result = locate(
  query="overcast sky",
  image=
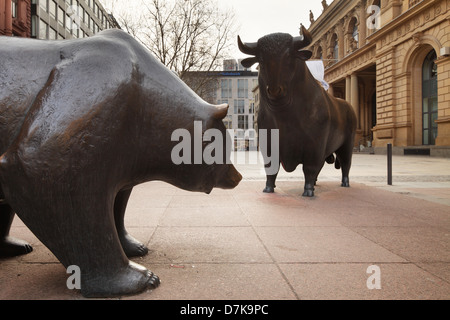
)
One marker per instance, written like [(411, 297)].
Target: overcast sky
[(256, 18)]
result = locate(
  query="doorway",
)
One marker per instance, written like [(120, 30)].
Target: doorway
[(429, 99)]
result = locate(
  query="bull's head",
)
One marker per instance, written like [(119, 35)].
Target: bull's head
[(278, 55)]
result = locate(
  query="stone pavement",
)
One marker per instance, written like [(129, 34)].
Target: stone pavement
[(242, 244)]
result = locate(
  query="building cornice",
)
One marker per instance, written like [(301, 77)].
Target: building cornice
[(401, 19)]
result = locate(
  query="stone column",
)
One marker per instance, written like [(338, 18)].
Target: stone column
[(443, 121), (348, 87), (355, 97)]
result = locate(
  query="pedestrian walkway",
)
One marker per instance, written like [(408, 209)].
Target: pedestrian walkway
[(370, 241)]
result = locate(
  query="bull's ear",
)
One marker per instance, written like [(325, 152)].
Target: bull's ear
[(247, 63), (220, 111), (304, 55)]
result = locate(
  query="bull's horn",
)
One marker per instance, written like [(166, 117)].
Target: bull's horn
[(302, 42), (220, 111), (248, 48)]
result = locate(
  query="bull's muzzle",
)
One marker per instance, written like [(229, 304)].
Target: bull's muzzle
[(275, 92)]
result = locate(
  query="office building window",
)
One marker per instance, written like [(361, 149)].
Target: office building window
[(243, 88), (251, 108), (243, 122), (44, 5), (239, 106), (68, 24), (34, 26), (43, 27), (61, 17), (51, 34), (226, 88), (53, 9)]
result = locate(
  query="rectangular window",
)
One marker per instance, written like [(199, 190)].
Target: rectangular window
[(43, 28), (51, 34), (44, 5), (53, 9), (81, 14), (33, 26), (68, 24), (61, 16), (14, 8), (251, 108), (228, 122), (226, 88), (243, 88), (243, 122), (239, 106)]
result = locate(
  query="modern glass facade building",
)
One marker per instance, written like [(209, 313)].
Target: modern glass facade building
[(68, 19)]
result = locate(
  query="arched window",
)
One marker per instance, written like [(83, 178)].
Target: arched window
[(335, 44), (320, 53), (430, 99), (355, 35)]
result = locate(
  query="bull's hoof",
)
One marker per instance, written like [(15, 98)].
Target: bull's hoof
[(132, 247), (308, 193), (268, 189), (11, 247), (132, 280), (345, 183)]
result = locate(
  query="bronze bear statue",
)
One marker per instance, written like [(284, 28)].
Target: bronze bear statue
[(81, 123)]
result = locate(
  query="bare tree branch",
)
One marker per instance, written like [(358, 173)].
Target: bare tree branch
[(185, 35)]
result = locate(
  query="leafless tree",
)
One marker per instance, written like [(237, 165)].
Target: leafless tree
[(185, 35)]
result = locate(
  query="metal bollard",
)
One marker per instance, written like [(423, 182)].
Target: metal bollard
[(389, 163)]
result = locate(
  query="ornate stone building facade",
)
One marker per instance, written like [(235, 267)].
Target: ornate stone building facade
[(391, 60), (15, 18)]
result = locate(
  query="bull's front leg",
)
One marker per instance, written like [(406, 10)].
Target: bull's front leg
[(271, 177), (311, 172)]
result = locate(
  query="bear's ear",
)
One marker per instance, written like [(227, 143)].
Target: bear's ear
[(303, 55), (220, 111)]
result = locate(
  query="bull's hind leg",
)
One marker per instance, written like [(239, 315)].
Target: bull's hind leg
[(344, 155), (9, 246), (131, 246)]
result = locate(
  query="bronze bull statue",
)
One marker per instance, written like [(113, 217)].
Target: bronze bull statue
[(312, 124), (81, 123)]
